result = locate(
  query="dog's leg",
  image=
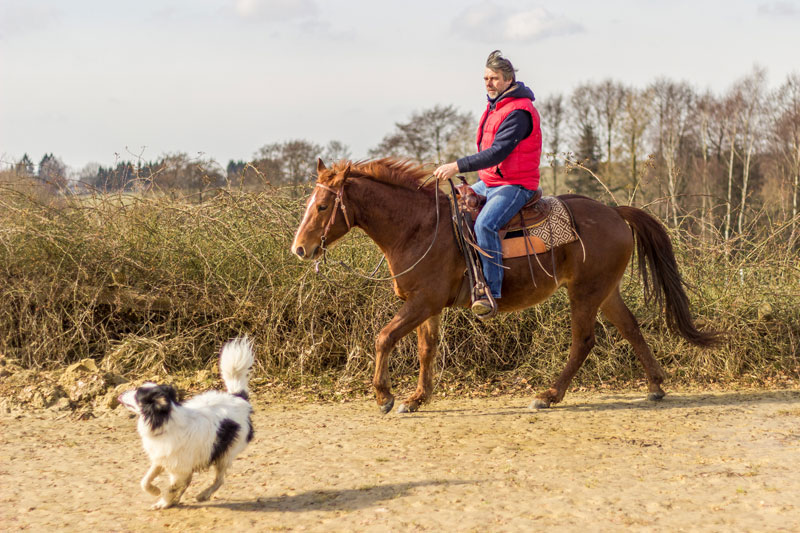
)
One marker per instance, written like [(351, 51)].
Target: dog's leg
[(177, 484), (218, 480), (147, 480)]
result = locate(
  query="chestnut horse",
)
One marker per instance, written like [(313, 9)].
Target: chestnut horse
[(389, 200)]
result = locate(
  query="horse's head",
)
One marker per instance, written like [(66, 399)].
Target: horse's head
[(326, 218)]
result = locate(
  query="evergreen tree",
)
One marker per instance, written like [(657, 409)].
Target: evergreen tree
[(52, 171), (234, 169), (588, 155), (24, 167)]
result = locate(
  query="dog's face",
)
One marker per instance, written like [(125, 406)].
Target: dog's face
[(152, 402)]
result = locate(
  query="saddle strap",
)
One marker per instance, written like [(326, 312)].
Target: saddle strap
[(527, 249), (465, 238)]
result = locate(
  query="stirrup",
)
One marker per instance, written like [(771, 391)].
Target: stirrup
[(484, 307)]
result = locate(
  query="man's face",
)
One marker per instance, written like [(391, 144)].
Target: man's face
[(495, 83)]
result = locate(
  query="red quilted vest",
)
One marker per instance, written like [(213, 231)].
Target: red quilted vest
[(521, 167)]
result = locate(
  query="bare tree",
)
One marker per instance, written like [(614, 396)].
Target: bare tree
[(428, 135), (581, 101), (87, 174), (290, 162), (634, 119), (608, 102), (336, 151), (732, 105), (268, 164), (786, 139), (673, 104), (180, 171), (708, 109), (553, 118), (754, 86), (299, 160), (442, 125)]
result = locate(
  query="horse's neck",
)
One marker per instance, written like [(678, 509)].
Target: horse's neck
[(394, 215)]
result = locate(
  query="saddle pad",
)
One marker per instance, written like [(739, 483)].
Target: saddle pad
[(542, 235)]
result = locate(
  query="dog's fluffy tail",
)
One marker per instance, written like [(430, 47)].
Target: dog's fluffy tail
[(235, 361)]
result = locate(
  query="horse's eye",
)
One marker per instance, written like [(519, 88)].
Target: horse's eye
[(322, 207)]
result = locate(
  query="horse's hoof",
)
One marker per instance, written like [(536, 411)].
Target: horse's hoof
[(539, 404), (385, 408), (407, 408), (655, 396)]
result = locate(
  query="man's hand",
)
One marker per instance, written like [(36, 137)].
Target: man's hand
[(445, 171)]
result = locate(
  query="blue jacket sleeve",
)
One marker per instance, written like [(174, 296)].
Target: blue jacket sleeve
[(515, 127)]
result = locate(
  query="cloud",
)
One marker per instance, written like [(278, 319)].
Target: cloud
[(488, 21), (19, 18), (778, 9), (276, 10)]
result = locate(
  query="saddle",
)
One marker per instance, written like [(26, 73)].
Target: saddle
[(530, 213), (513, 234), (539, 226)]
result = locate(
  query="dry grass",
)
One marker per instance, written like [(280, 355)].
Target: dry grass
[(155, 284)]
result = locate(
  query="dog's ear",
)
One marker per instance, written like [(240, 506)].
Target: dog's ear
[(156, 404), (161, 402), (172, 394), (155, 396)]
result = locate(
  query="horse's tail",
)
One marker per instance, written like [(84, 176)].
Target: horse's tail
[(664, 284)]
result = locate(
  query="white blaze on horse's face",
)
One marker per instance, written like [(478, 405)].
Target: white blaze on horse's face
[(307, 214), (308, 239), (319, 227)]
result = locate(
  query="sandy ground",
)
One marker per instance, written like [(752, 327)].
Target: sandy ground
[(598, 462)]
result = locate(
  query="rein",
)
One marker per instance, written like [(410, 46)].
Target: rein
[(339, 202)]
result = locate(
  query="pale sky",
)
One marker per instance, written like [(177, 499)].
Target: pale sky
[(88, 79)]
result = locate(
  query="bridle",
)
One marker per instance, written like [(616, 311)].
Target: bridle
[(339, 203)]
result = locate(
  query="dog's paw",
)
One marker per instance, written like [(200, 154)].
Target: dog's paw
[(203, 496), (160, 504)]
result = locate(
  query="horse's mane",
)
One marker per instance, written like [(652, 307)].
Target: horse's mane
[(393, 171)]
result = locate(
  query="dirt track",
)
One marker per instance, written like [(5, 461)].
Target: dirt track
[(611, 462)]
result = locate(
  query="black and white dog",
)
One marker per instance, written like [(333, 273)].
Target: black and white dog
[(209, 429)]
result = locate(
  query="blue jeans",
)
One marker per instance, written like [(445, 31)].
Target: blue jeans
[(502, 203)]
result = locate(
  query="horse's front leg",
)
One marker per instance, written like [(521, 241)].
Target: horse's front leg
[(427, 341), (583, 307), (409, 317)]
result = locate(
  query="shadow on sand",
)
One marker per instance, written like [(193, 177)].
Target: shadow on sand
[(343, 500), (618, 401)]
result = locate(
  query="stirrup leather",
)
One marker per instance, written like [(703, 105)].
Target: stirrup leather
[(479, 292)]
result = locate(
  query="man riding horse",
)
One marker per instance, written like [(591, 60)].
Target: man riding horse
[(509, 142), (392, 202)]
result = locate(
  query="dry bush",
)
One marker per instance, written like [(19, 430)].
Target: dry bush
[(151, 284)]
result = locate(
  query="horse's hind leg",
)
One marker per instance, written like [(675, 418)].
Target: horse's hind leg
[(427, 341), (617, 312)]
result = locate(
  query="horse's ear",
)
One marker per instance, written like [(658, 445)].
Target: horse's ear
[(320, 165), (346, 171)]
